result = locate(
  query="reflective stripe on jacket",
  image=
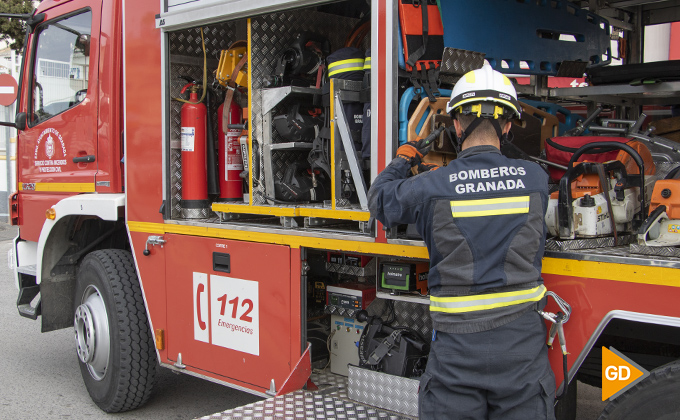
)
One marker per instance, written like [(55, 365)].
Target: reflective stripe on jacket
[(471, 303)]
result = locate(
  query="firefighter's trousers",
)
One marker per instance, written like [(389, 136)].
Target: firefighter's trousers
[(502, 373)]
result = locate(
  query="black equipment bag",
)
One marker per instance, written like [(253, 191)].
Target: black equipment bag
[(397, 351), (300, 184)]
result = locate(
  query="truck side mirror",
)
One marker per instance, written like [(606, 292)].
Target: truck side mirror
[(83, 44), (20, 121)]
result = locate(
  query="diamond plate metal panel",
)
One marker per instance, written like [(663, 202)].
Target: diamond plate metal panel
[(185, 46), (176, 181), (587, 243), (195, 213), (661, 251), (368, 270), (343, 203), (406, 314), (571, 69), (457, 62), (304, 405), (619, 254), (384, 391), (330, 383), (271, 34)]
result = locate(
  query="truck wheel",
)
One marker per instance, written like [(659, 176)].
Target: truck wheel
[(113, 339), (653, 398)]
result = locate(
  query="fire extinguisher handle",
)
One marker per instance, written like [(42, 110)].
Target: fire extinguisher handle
[(190, 82), (187, 86)]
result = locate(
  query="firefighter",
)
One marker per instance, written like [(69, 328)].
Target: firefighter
[(482, 219)]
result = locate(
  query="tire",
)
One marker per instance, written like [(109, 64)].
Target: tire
[(653, 398), (113, 339), (566, 406)]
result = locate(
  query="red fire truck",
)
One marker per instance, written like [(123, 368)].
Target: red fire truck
[(130, 235)]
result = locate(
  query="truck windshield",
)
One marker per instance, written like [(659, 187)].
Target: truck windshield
[(60, 69)]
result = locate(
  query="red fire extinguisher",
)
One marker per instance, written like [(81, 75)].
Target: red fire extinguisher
[(194, 167), (230, 162)]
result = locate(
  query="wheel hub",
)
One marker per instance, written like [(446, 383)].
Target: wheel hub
[(84, 333), (91, 327)]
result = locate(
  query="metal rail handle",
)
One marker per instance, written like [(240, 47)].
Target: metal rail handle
[(605, 146)]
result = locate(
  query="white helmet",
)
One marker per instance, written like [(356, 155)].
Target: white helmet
[(483, 86)]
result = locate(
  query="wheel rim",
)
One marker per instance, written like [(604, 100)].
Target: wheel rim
[(91, 326)]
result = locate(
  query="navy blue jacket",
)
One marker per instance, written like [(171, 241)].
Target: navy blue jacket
[(482, 219)]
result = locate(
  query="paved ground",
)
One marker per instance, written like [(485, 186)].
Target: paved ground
[(7, 232), (40, 378)]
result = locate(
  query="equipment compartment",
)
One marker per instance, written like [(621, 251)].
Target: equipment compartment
[(272, 159)]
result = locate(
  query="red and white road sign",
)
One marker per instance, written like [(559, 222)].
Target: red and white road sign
[(8, 89)]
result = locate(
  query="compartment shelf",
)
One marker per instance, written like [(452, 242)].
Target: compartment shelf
[(665, 93), (423, 300), (273, 96)]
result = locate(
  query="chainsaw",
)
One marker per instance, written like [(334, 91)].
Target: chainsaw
[(602, 199), (662, 227)]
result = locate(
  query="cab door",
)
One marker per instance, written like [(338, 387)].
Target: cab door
[(58, 148)]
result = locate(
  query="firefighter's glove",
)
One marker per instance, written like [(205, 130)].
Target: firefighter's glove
[(413, 151), (410, 153), (423, 167)]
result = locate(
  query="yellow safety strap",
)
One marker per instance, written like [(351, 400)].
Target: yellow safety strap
[(461, 304)]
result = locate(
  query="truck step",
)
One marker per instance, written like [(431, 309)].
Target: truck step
[(330, 401), (311, 405), (27, 304), (29, 270), (28, 311)]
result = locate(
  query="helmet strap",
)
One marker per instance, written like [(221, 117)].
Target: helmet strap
[(499, 130), (453, 138), (507, 138)]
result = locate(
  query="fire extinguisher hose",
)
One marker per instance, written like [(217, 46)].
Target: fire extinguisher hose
[(205, 74)]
